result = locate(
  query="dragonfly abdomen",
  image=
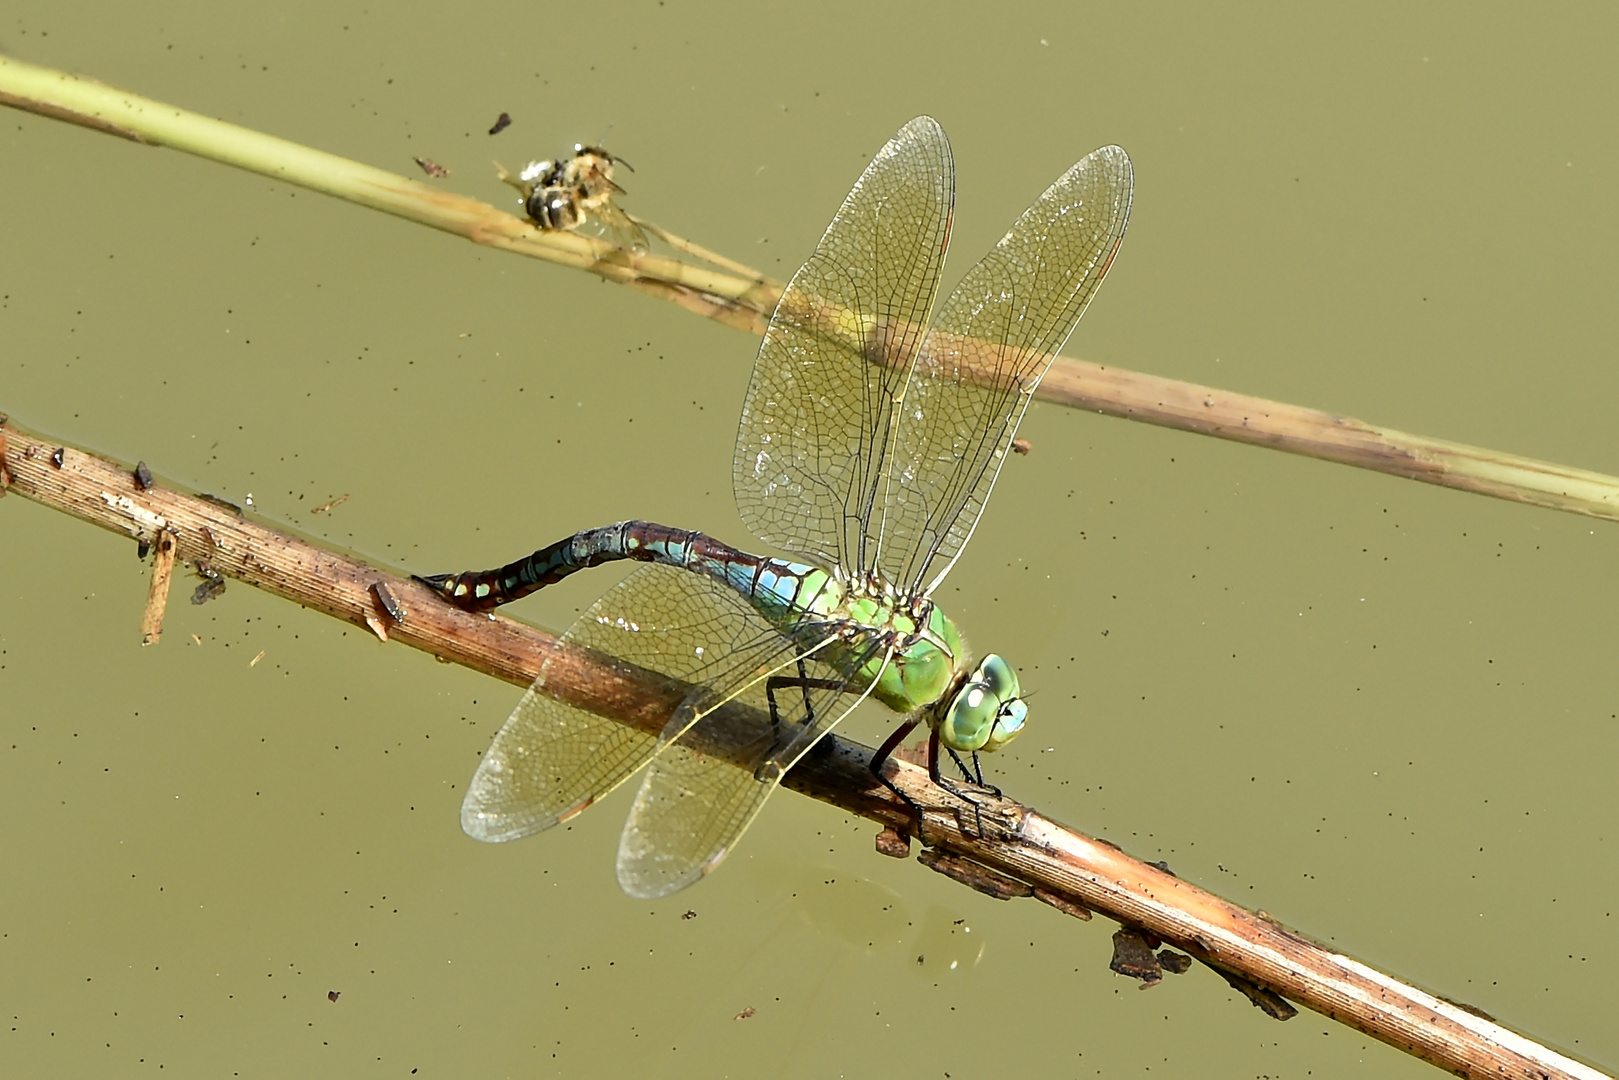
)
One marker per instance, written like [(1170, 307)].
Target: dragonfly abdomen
[(775, 587)]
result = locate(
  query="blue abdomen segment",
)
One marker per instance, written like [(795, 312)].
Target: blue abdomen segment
[(779, 590)]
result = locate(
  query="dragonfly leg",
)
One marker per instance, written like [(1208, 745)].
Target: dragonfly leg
[(805, 684), (950, 785), (980, 778), (884, 752), (972, 774), (975, 775)]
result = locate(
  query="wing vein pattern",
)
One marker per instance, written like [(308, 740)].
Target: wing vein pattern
[(817, 425), (990, 344)]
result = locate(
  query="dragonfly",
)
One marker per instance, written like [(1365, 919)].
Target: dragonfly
[(869, 443)]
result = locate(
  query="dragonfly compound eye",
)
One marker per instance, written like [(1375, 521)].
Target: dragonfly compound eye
[(1008, 724), (970, 720), (989, 712), (997, 674)]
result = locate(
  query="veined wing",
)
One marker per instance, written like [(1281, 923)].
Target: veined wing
[(603, 219), (552, 758), (817, 422), (696, 802), (989, 346)]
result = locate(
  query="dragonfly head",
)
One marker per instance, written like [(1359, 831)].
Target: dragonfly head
[(987, 712)]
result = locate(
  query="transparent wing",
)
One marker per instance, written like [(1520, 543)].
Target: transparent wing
[(604, 220), (552, 759), (989, 346), (694, 805), (816, 424)]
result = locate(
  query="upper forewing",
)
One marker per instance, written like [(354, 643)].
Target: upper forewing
[(817, 424), (990, 344)]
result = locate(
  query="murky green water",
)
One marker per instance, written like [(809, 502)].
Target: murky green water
[(1383, 712)]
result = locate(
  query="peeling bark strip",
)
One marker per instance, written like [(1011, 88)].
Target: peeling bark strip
[(1065, 904), (1067, 869), (970, 874)]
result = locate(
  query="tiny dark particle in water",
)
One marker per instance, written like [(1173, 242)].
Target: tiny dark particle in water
[(431, 167), (1021, 446), (332, 995), (501, 124), (143, 476), (689, 915), (57, 455)]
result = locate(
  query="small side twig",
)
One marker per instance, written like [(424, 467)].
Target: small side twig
[(157, 595)]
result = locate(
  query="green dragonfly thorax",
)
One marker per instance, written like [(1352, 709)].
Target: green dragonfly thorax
[(979, 709), (924, 653)]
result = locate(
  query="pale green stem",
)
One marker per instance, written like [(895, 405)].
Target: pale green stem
[(745, 302)]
